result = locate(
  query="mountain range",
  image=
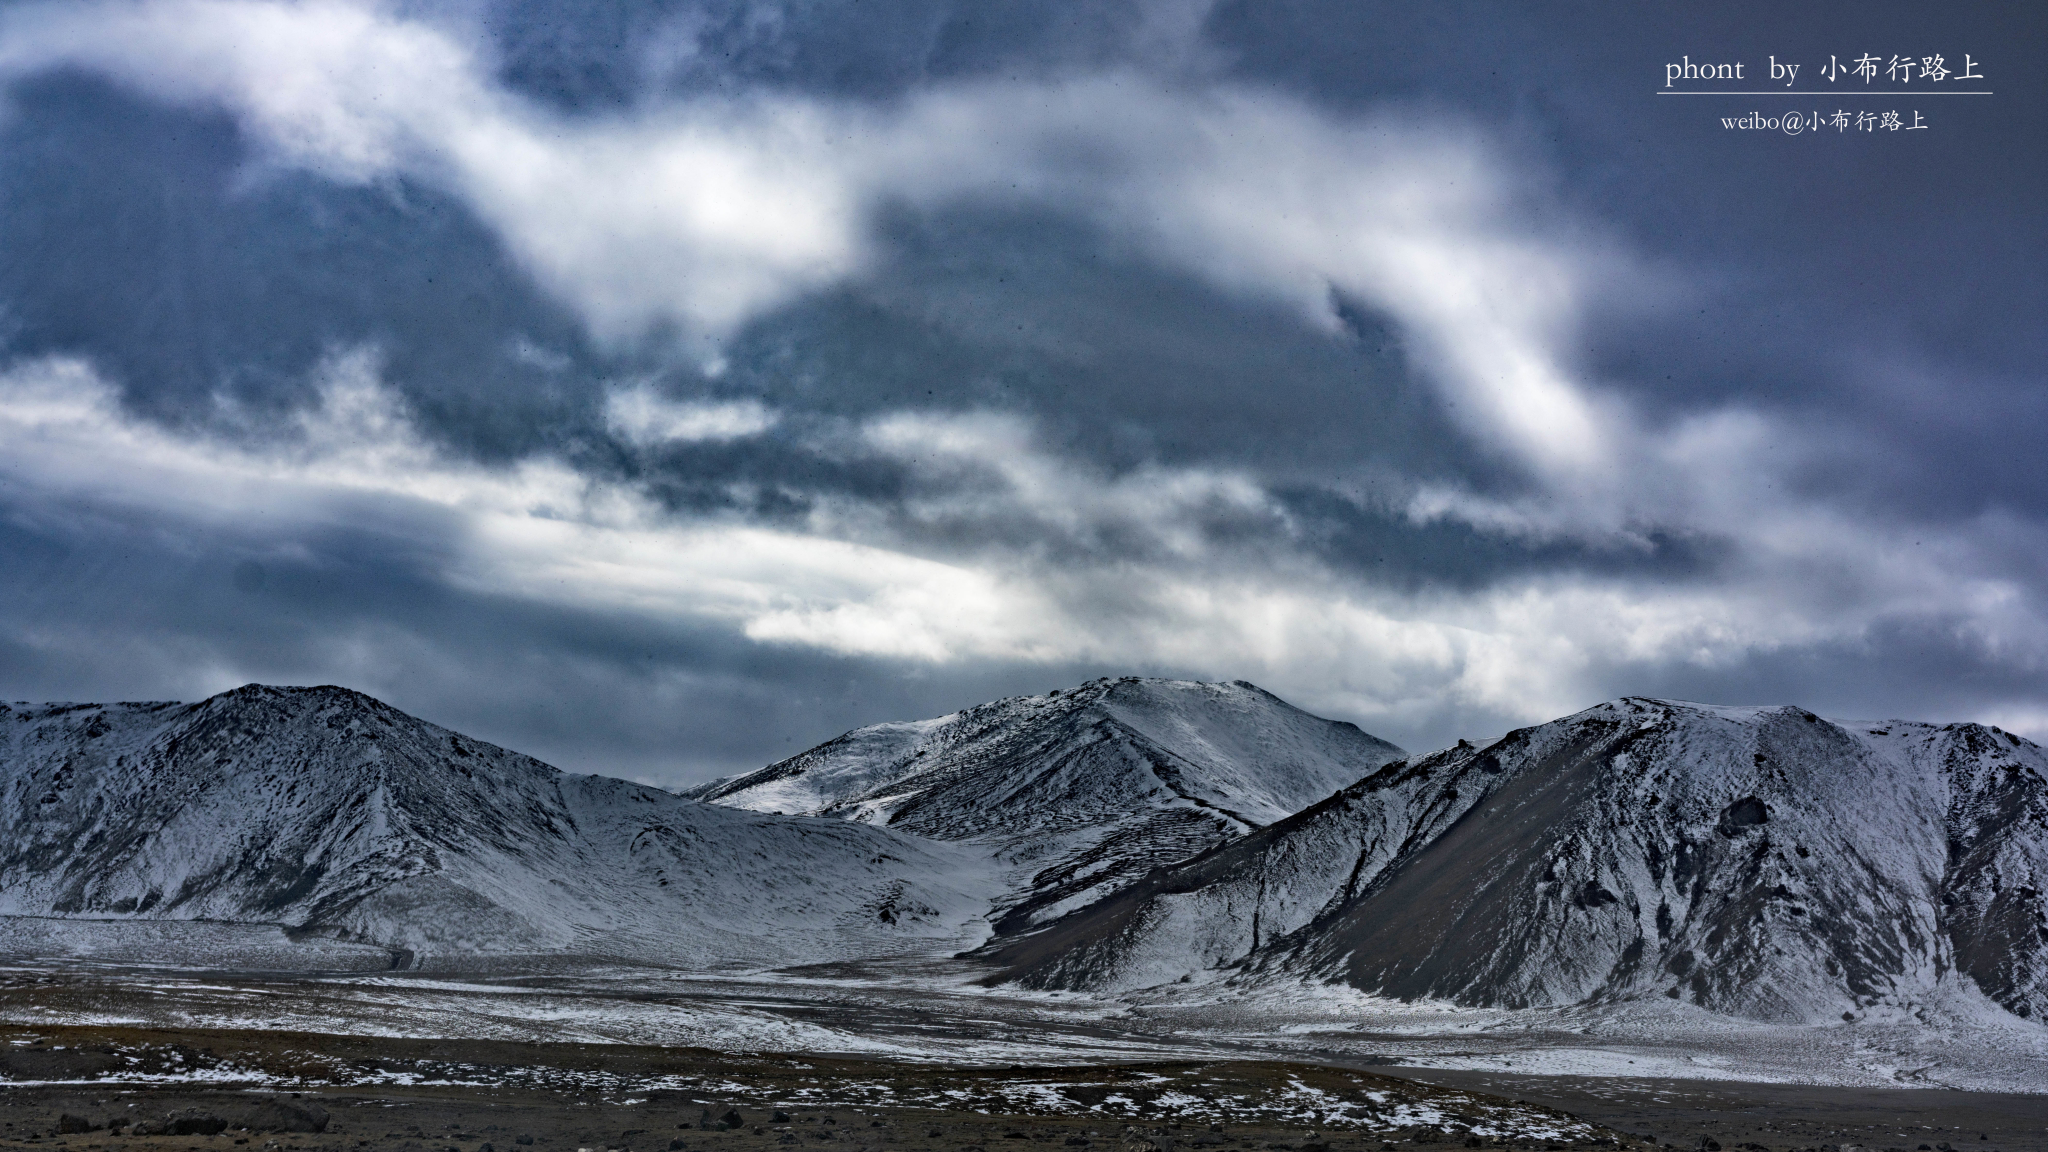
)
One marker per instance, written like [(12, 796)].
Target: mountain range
[(1129, 833)]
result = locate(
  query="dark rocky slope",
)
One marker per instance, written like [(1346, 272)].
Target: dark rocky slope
[(1759, 862)]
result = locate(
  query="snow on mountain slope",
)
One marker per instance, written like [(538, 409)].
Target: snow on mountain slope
[(1083, 790), (1214, 911), (1758, 862), (1993, 902), (336, 815)]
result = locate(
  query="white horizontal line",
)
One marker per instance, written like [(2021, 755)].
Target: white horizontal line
[(1783, 92)]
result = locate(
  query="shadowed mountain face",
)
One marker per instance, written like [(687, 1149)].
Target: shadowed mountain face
[(339, 817), (1084, 790), (1761, 862)]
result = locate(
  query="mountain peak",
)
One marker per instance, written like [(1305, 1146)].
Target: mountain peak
[(1086, 788), (338, 817), (1764, 862)]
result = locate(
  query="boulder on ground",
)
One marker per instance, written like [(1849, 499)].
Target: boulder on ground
[(193, 1122), (282, 1114)]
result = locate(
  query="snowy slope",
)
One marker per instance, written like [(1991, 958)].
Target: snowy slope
[(1759, 862), (335, 815), (1079, 791)]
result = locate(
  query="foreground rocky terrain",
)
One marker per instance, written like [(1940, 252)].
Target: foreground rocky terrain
[(635, 1097), (298, 1093)]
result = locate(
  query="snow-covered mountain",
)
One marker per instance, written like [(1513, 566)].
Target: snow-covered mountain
[(1759, 862), (1077, 792), (338, 816), (1128, 833)]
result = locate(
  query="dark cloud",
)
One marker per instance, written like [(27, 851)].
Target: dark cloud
[(589, 57), (1123, 362), (153, 241), (1881, 287), (1928, 671), (1396, 550)]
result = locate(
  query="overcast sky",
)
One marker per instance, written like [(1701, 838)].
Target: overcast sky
[(662, 388)]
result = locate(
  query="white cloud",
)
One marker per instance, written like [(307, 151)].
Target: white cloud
[(537, 531), (647, 419), (988, 468), (704, 215)]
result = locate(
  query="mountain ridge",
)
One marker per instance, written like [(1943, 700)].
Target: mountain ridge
[(1758, 862), (336, 814), (1084, 789)]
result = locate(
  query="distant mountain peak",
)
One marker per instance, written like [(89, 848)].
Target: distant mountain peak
[(1087, 787)]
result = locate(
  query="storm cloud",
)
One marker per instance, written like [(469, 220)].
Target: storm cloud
[(659, 389)]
